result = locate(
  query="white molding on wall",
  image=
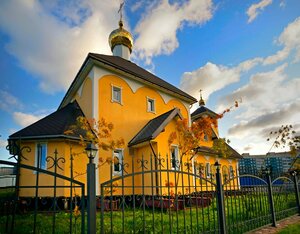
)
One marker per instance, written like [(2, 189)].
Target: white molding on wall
[(206, 158)]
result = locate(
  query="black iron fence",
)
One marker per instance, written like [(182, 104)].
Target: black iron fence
[(150, 194), (32, 206)]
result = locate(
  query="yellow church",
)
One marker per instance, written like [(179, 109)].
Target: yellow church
[(143, 109)]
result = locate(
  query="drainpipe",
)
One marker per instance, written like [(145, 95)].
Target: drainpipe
[(156, 168)]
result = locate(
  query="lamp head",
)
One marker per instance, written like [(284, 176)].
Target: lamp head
[(91, 150)]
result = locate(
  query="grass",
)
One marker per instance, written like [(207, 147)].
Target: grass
[(243, 213), (291, 229), (6, 192)]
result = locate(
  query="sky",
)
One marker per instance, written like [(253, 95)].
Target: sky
[(232, 50)]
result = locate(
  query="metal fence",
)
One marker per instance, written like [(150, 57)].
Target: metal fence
[(150, 194), (30, 211)]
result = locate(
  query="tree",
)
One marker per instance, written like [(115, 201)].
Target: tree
[(97, 132), (190, 138), (286, 137)]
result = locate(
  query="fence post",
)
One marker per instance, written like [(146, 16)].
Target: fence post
[(91, 190), (294, 174), (270, 195), (220, 200)]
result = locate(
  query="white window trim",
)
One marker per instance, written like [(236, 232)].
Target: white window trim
[(231, 175), (117, 173), (208, 171), (36, 155), (154, 105), (112, 94), (177, 159)]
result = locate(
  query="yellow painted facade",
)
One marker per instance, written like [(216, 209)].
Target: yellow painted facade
[(128, 116), (64, 148)]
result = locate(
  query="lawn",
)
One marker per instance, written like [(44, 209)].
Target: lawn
[(291, 229), (243, 213)]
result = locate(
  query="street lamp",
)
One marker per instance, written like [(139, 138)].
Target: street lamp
[(91, 151), (217, 165)]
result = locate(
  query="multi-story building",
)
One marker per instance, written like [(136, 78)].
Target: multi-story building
[(279, 162)]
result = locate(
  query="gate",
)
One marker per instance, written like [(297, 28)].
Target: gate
[(158, 195), (44, 202), (253, 201)]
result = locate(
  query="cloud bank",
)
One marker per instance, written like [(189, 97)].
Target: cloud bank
[(156, 31), (51, 39), (214, 77)]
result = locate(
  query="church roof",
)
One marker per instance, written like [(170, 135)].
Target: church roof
[(211, 152), (133, 69), (154, 127), (53, 125), (201, 110), (122, 65)]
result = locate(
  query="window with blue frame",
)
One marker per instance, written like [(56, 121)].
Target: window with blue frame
[(41, 155)]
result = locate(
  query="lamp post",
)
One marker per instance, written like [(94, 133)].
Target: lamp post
[(91, 151)]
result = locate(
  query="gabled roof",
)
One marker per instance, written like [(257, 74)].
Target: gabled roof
[(122, 65), (211, 152), (234, 153), (154, 127), (53, 125), (203, 110)]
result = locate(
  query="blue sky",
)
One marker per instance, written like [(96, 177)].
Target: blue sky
[(230, 49)]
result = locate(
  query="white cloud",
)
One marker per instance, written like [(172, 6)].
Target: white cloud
[(260, 95), (283, 116), (136, 6), (9, 102), (24, 119), (157, 29), (210, 78), (256, 9), (52, 43), (3, 143), (282, 4), (213, 77), (270, 99), (290, 39)]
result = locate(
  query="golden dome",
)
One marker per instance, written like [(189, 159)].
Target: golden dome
[(201, 101), (120, 37)]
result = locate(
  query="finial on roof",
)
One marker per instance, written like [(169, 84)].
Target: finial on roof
[(201, 101), (121, 12), (120, 40)]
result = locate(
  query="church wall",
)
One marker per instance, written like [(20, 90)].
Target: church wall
[(64, 149), (130, 116), (84, 98)]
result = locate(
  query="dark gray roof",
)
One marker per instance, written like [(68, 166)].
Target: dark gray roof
[(201, 110), (53, 125), (132, 69), (211, 152), (154, 127)]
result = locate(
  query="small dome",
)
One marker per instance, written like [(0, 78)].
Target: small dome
[(120, 37), (201, 102)]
